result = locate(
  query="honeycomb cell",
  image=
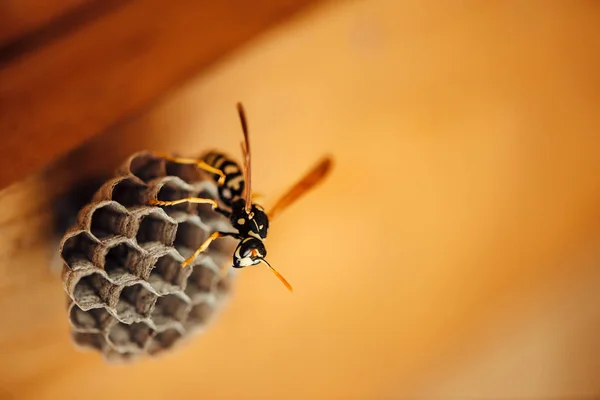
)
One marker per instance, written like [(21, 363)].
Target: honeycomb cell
[(114, 356), (77, 248), (171, 191), (147, 167), (122, 259), (164, 341), (186, 172), (129, 193), (220, 252), (154, 227), (108, 220), (94, 320), (189, 237), (225, 284), (135, 303), (130, 337), (200, 315), (89, 290), (205, 211), (201, 282), (89, 340), (167, 276), (170, 308)]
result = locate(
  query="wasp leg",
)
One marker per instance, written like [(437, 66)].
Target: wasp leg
[(198, 163), (197, 200), (207, 243)]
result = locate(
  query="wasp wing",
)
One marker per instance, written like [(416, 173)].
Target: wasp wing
[(314, 176)]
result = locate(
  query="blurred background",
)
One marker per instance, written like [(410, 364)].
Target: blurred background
[(453, 253)]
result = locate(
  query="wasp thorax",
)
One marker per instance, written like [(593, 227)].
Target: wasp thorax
[(250, 251), (255, 223)]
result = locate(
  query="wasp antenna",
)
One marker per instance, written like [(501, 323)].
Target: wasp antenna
[(278, 275), (247, 158)]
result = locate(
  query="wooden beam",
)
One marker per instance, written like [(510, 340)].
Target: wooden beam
[(464, 197), (21, 18), (55, 96)]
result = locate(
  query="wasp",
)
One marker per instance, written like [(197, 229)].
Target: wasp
[(249, 220)]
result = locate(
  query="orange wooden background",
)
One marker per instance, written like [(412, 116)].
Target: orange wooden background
[(71, 69), (453, 253)]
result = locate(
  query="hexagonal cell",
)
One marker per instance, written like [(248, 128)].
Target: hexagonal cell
[(155, 228), (187, 172), (200, 315), (89, 340), (132, 338), (122, 259), (129, 193), (205, 211), (164, 341), (221, 251), (135, 303), (167, 275), (77, 248), (108, 221), (147, 167), (94, 320), (201, 281), (225, 284), (170, 308), (189, 237), (88, 291), (114, 356), (171, 191)]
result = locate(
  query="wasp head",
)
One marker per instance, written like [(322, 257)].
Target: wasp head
[(250, 251)]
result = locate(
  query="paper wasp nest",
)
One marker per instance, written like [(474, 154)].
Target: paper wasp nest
[(127, 293)]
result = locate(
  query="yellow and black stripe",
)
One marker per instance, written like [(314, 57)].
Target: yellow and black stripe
[(233, 187)]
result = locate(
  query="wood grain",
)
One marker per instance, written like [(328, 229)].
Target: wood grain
[(453, 251), (23, 17), (55, 97)]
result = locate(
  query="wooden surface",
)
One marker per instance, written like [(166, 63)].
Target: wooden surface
[(104, 61), (20, 18), (452, 254)]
